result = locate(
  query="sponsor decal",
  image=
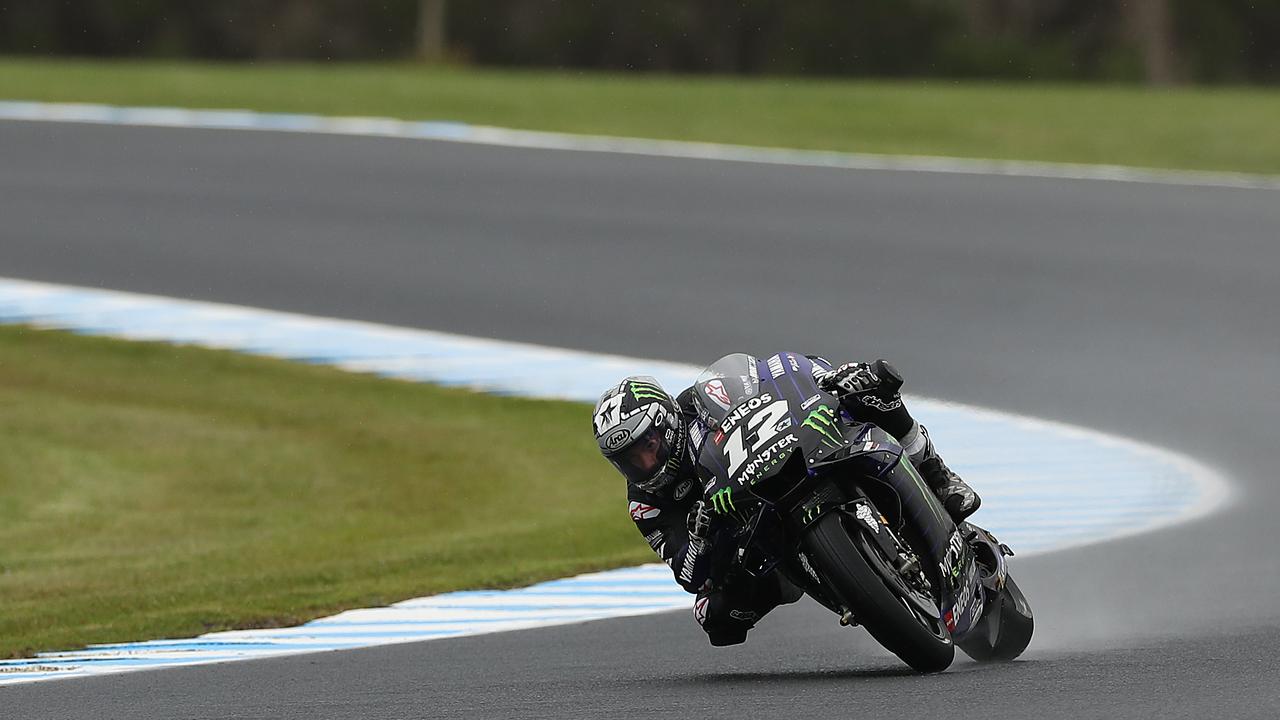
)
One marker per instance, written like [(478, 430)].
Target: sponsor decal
[(743, 410), (722, 501), (644, 390), (808, 403), (744, 615), (775, 367), (823, 421), (792, 360), (882, 405), (696, 435), (683, 489), (715, 390), (812, 512), (804, 563), (617, 440), (751, 370), (749, 384), (950, 564), (819, 371), (968, 600), (865, 515), (690, 558), (655, 540), (767, 459), (609, 414), (640, 511)]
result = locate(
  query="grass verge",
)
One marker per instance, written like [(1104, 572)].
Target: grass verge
[(148, 490), (1192, 128)]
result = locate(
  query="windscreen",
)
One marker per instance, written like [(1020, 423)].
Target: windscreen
[(725, 383)]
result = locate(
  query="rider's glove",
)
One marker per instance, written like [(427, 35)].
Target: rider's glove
[(849, 379), (699, 522)]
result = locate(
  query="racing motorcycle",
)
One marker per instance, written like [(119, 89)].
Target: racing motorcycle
[(837, 508)]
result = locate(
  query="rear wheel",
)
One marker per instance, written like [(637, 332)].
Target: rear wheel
[(858, 573)]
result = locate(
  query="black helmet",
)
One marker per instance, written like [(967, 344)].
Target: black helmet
[(640, 431)]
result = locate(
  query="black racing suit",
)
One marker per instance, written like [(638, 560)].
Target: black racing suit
[(729, 603)]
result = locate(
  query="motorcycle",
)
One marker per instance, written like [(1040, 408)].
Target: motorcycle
[(836, 507)]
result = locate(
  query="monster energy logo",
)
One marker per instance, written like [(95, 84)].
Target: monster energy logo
[(641, 390), (822, 420), (722, 501)]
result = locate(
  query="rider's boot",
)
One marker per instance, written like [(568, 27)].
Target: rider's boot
[(957, 497)]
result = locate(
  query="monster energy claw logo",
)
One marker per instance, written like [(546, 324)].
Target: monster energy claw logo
[(642, 390), (822, 420), (722, 501)]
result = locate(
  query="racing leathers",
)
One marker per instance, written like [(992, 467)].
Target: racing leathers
[(729, 603)]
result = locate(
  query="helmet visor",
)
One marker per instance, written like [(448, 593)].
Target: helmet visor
[(644, 458)]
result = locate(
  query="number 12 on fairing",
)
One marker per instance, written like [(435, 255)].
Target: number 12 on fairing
[(759, 430)]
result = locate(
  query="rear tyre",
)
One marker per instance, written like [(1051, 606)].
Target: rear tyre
[(921, 642)]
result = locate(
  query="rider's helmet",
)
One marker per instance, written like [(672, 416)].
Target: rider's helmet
[(640, 430)]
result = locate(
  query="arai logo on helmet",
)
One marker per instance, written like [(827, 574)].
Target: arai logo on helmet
[(743, 410), (683, 489), (617, 440)]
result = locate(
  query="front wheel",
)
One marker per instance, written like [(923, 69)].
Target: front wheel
[(845, 561)]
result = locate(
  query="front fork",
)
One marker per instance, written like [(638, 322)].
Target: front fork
[(906, 574)]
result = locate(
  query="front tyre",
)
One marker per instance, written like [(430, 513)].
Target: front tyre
[(845, 562)]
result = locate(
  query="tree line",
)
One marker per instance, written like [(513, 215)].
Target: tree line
[(1157, 41)]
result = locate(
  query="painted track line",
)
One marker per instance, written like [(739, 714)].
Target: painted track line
[(507, 137), (1047, 486)]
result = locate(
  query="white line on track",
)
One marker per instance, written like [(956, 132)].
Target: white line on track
[(1047, 486), (507, 137)]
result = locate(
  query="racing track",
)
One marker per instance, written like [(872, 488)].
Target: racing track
[(1138, 308)]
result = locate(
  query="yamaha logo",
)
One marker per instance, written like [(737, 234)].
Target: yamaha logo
[(617, 439)]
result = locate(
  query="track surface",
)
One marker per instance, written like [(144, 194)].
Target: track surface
[(1142, 309)]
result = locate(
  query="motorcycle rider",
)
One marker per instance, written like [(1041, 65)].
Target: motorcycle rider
[(653, 440)]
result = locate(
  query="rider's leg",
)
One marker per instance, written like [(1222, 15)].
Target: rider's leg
[(885, 408), (727, 612)]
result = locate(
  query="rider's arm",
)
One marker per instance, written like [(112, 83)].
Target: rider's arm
[(876, 398), (665, 527)]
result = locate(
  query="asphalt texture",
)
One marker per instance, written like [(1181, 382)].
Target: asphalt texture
[(1146, 310)]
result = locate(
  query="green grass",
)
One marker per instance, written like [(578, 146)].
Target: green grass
[(148, 490), (1208, 129)]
